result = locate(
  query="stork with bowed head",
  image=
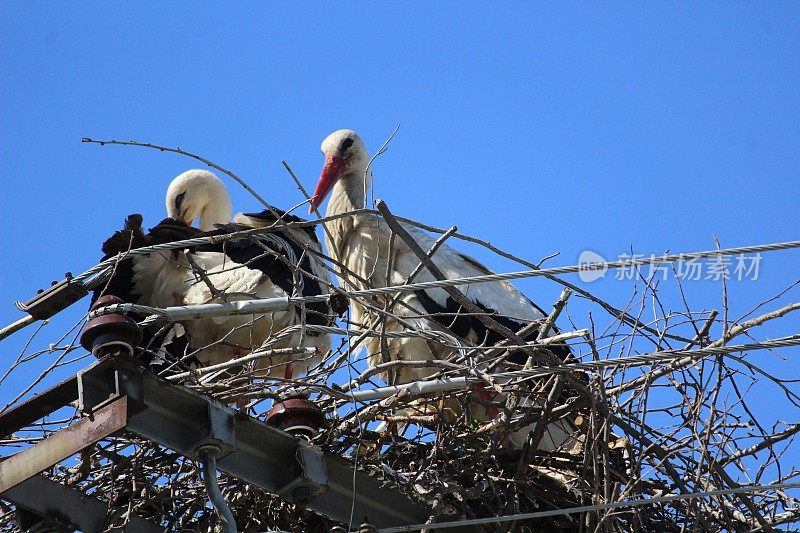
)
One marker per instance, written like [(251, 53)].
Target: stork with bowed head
[(269, 265), (156, 279), (361, 242), (199, 195)]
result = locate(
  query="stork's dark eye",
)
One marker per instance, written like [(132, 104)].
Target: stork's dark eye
[(346, 144), (179, 200)]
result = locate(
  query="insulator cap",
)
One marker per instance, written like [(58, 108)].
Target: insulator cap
[(298, 416), (108, 333), (366, 527)]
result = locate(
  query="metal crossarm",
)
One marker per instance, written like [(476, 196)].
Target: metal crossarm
[(118, 395), (44, 497)]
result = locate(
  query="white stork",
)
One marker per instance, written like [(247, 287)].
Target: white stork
[(156, 279), (361, 243), (270, 265)]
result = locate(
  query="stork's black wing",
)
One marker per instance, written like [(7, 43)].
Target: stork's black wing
[(279, 257), (269, 218), (466, 325), (121, 282)]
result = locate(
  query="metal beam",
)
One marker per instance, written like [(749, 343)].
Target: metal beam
[(64, 443), (48, 498), (117, 394), (55, 298), (184, 420), (38, 407)]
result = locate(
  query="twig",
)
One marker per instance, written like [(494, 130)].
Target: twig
[(200, 158)]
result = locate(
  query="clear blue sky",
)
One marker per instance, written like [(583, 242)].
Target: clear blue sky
[(542, 127)]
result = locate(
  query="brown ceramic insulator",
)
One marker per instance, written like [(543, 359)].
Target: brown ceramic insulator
[(299, 416), (110, 332)]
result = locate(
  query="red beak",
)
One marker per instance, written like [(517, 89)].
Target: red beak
[(333, 170)]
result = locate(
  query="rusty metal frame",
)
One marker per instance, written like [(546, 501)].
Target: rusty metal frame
[(44, 497), (63, 444), (39, 406), (117, 394)]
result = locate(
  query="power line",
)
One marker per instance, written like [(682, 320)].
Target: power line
[(601, 265), (96, 275), (444, 384), (460, 382), (104, 267), (744, 489), (190, 312), (655, 357), (595, 266)]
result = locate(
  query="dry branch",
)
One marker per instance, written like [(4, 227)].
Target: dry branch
[(663, 437)]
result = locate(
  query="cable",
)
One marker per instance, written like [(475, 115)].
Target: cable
[(98, 269), (189, 312), (208, 457), (744, 489), (416, 388), (102, 270), (600, 265), (16, 326)]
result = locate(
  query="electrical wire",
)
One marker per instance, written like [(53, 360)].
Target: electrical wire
[(600, 265), (744, 489), (415, 388), (594, 266), (101, 271), (208, 457)]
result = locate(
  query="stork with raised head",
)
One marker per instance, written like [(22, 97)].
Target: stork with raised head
[(275, 264), (362, 243)]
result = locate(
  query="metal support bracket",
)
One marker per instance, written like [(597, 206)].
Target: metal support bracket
[(116, 394), (39, 498), (312, 476), (62, 444), (54, 299), (39, 406), (107, 379)]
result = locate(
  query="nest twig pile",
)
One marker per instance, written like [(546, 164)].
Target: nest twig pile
[(682, 425)]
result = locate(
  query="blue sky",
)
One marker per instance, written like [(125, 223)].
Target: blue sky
[(542, 127)]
